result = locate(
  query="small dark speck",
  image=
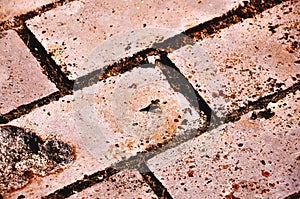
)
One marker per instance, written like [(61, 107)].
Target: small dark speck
[(272, 28), (253, 116), (21, 196), (267, 114), (263, 162), (240, 144)]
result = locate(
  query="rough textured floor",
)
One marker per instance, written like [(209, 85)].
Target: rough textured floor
[(150, 99)]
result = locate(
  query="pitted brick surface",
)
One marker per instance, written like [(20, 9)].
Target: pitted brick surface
[(132, 112), (248, 159), (122, 128), (137, 112), (21, 78), (126, 184), (23, 154), (44, 121), (72, 31), (251, 59), (11, 8)]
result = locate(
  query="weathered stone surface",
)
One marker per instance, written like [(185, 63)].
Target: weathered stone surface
[(251, 59), (126, 184), (72, 31), (56, 121), (23, 154), (11, 8), (247, 159), (21, 78), (133, 112), (255, 157), (108, 122)]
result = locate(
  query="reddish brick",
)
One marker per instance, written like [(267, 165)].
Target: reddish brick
[(21, 78)]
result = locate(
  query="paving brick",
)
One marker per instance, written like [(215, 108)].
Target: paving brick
[(113, 113), (251, 59), (126, 184), (249, 159), (21, 77), (9, 9), (256, 157), (23, 154), (72, 31), (56, 121), (105, 125)]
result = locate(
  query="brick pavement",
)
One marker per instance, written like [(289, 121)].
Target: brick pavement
[(17, 77), (138, 128), (9, 9), (245, 160)]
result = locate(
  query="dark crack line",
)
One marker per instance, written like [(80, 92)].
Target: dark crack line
[(49, 67), (201, 31), (18, 21), (120, 67), (80, 185), (295, 195), (190, 36), (236, 15), (27, 108), (181, 84), (157, 187), (141, 158), (215, 25), (261, 103)]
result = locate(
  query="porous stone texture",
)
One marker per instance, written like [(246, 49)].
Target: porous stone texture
[(72, 31), (23, 154), (133, 112), (110, 121), (21, 78), (126, 184), (11, 8), (251, 158), (69, 139), (56, 121), (251, 59)]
